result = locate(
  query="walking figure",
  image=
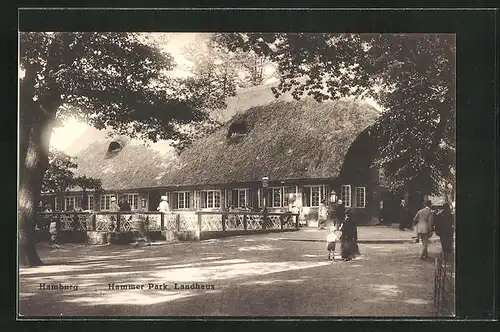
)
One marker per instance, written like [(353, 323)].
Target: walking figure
[(331, 240), (424, 222), (347, 239)]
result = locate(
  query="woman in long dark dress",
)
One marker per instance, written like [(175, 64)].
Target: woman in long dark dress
[(347, 239), (444, 229)]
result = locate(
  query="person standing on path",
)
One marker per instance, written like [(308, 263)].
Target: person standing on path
[(424, 222), (403, 216), (347, 243), (444, 229), (340, 213)]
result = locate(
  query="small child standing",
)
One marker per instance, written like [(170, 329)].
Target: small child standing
[(331, 240)]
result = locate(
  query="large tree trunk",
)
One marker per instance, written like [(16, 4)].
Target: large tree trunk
[(35, 131)]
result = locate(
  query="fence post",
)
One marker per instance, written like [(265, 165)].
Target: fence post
[(178, 222), (94, 222), (162, 221), (199, 221), (245, 221), (224, 216), (297, 221), (118, 221), (281, 221)]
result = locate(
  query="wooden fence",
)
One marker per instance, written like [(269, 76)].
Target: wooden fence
[(201, 221)]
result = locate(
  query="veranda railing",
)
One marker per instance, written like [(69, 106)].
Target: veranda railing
[(157, 221)]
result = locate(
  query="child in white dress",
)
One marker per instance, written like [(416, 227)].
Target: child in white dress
[(331, 240)]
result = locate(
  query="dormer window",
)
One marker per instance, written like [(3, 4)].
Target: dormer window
[(114, 147), (237, 128)]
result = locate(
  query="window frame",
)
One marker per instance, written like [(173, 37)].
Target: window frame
[(322, 191), (57, 203), (131, 203), (186, 200), (356, 197), (75, 200), (102, 207), (204, 196), (346, 199), (238, 202)]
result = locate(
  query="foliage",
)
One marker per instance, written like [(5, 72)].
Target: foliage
[(60, 176), (106, 79), (411, 76)]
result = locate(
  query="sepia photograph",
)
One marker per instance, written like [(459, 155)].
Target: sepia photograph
[(167, 174)]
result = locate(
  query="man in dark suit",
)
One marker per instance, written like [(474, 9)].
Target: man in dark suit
[(424, 222)]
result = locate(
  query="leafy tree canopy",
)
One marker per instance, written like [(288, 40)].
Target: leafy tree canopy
[(411, 76), (60, 175)]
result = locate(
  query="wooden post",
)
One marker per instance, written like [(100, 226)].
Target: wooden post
[(245, 221), (224, 216), (297, 221), (94, 222), (199, 221), (281, 221), (118, 221), (178, 222), (162, 221)]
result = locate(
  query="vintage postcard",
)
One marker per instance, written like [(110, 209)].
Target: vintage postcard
[(236, 174)]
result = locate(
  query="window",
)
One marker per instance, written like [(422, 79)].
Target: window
[(57, 204), (313, 195), (345, 195), (276, 197), (287, 192), (182, 200), (239, 198), (71, 203), (273, 199), (210, 199), (106, 202), (360, 197), (90, 203), (133, 200)]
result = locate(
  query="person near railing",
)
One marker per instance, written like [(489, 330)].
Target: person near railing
[(114, 207), (322, 214)]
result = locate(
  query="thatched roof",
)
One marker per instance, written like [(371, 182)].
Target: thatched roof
[(136, 165), (286, 140)]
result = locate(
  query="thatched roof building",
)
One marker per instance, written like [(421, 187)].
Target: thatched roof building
[(282, 140), (122, 163)]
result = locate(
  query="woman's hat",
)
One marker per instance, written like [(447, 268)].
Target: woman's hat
[(113, 199), (163, 198), (339, 201)]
